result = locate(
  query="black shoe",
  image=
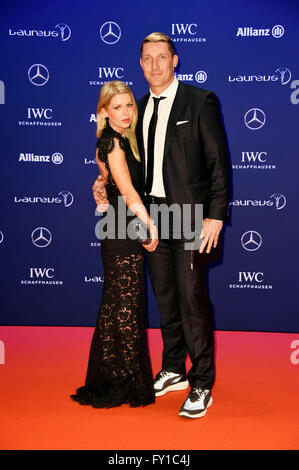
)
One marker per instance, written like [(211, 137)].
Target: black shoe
[(197, 403), (168, 381)]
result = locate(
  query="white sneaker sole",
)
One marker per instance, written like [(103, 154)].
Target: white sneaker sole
[(198, 415), (172, 388)]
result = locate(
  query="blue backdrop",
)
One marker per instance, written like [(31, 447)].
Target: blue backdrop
[(55, 57)]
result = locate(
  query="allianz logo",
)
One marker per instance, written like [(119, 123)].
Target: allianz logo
[(283, 76), (66, 198), (56, 158), (199, 77), (63, 31), (277, 200), (277, 31)]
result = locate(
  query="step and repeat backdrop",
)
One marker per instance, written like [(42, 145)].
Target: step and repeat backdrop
[(55, 56)]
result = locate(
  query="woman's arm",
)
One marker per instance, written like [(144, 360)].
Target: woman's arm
[(121, 175), (102, 168), (98, 188)]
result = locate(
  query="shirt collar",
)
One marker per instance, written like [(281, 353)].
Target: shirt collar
[(169, 92)]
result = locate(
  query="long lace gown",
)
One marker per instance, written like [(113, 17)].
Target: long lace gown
[(119, 369)]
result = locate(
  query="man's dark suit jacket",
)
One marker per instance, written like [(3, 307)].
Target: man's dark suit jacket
[(195, 164)]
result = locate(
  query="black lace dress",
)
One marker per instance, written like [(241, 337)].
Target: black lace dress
[(119, 369)]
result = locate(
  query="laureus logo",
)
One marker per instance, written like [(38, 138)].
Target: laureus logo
[(281, 75), (276, 200), (63, 31), (68, 198), (284, 74), (280, 200), (65, 197)]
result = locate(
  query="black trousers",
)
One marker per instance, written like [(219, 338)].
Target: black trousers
[(186, 312)]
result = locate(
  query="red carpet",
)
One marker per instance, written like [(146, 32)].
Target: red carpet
[(255, 396)]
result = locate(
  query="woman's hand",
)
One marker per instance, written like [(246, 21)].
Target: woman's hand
[(154, 238)]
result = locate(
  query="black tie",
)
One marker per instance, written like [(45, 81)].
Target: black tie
[(151, 144)]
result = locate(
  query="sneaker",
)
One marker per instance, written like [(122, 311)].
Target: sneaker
[(197, 403), (169, 381)]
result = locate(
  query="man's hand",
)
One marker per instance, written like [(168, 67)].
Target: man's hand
[(100, 195), (211, 229)]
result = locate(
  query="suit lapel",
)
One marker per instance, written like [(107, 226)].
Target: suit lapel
[(177, 107)]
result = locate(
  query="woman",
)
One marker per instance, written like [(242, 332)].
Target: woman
[(119, 369)]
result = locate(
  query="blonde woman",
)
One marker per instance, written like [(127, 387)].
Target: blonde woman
[(119, 369)]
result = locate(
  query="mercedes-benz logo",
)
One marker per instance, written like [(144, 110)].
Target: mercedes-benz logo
[(280, 200), (65, 31), (1, 237), (254, 119), (38, 74), (68, 198), (41, 237), (110, 32), (251, 240)]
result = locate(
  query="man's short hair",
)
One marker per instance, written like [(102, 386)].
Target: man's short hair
[(159, 37)]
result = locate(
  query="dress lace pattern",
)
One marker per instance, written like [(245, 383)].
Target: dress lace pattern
[(119, 369)]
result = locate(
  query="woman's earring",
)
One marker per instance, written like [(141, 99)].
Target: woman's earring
[(107, 120)]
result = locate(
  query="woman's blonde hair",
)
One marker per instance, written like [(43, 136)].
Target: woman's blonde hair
[(107, 92)]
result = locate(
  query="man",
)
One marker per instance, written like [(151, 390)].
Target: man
[(182, 145)]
